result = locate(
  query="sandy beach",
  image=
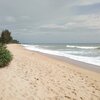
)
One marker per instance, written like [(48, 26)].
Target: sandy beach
[(32, 76)]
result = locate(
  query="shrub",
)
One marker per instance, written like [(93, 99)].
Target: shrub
[(5, 56)]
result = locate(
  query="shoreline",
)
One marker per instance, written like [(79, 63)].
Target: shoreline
[(76, 63), (35, 76)]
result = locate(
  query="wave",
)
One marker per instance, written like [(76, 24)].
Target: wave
[(83, 47), (90, 60)]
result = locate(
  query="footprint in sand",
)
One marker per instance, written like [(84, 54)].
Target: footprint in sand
[(81, 98), (36, 78), (74, 92), (67, 97)]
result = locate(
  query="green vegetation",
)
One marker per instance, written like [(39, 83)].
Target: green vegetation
[(5, 56), (7, 38)]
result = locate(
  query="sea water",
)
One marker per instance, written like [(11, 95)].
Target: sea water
[(88, 53)]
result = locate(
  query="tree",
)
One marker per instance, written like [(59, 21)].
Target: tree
[(0, 39), (6, 37)]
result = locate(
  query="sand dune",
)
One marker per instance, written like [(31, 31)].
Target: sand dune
[(32, 76)]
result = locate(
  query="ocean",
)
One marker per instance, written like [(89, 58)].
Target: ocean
[(84, 52)]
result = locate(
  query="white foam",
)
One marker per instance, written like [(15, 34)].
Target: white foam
[(82, 47), (90, 60)]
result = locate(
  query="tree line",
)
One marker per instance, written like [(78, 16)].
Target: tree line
[(6, 37)]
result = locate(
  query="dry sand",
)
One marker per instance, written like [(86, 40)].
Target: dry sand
[(32, 76)]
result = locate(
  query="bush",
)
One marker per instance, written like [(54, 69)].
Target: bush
[(5, 56)]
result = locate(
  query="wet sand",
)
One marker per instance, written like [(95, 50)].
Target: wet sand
[(75, 62)]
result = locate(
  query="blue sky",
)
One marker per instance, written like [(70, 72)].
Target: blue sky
[(57, 21)]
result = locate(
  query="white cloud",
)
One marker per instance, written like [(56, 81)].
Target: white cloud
[(10, 19), (52, 26), (76, 22), (88, 2), (25, 17), (87, 21)]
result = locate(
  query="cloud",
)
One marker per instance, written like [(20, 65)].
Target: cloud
[(25, 17), (10, 19), (88, 2), (62, 17), (87, 21), (76, 22), (86, 9), (52, 26)]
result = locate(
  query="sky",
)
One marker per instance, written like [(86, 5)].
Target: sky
[(51, 21)]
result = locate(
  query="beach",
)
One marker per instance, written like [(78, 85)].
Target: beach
[(34, 76)]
